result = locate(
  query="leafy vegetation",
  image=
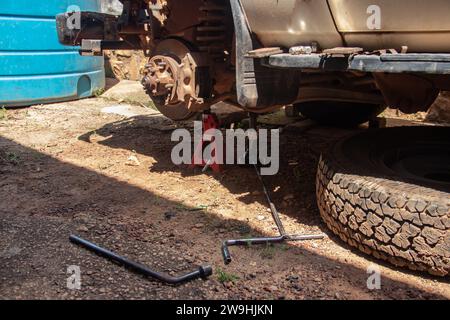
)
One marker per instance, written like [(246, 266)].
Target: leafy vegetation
[(3, 114), (223, 276)]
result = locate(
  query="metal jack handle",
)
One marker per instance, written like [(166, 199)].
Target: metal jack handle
[(202, 272), (276, 217)]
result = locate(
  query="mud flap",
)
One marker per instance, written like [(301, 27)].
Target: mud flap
[(257, 86)]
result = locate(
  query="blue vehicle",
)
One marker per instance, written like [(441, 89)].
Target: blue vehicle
[(34, 67)]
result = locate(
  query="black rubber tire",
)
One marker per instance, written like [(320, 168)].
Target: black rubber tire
[(381, 211), (340, 114)]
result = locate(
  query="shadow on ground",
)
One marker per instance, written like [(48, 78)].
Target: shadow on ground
[(45, 199), (151, 136), (292, 189)]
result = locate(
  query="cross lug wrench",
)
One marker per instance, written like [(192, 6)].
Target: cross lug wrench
[(283, 237)]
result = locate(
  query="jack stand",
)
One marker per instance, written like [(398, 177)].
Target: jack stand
[(276, 217), (209, 121)]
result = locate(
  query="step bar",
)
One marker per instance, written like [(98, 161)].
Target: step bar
[(388, 63)]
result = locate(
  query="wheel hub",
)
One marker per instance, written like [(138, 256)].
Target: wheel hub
[(162, 79)]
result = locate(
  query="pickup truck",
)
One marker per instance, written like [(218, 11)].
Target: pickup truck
[(383, 191)]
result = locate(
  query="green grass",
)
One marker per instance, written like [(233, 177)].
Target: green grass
[(98, 92), (12, 158), (157, 200), (151, 105), (184, 207), (223, 276), (36, 155), (244, 230), (3, 114), (268, 252), (202, 207)]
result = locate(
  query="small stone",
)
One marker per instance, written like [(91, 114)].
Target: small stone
[(271, 288), (169, 215), (199, 225), (133, 161), (260, 217), (293, 278), (289, 197), (82, 228), (228, 284)]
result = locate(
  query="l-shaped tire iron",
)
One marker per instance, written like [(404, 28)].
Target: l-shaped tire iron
[(206, 271), (202, 272)]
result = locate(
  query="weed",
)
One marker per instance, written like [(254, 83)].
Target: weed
[(36, 155), (151, 105), (157, 201), (203, 207), (223, 276), (182, 207), (268, 252), (3, 114), (104, 166), (12, 158), (98, 92), (244, 230)]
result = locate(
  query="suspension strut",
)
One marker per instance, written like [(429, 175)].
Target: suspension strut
[(211, 31), (283, 237)]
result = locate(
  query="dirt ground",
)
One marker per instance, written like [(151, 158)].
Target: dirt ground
[(74, 168)]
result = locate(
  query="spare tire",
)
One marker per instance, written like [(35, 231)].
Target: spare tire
[(341, 114), (387, 193)]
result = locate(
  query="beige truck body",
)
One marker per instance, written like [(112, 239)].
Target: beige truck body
[(422, 26)]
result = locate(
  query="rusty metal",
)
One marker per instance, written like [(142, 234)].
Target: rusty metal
[(408, 92), (264, 52), (175, 82), (202, 50), (178, 80), (211, 32), (162, 79), (310, 49), (343, 51)]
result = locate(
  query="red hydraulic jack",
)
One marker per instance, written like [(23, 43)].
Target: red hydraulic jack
[(209, 121)]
